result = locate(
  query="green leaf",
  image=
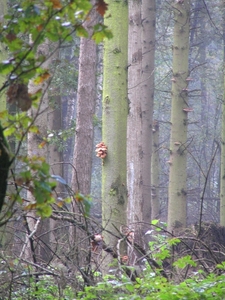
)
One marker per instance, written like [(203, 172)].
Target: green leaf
[(130, 287), (9, 131), (87, 206), (44, 211), (81, 31), (184, 261), (6, 68), (173, 241), (154, 222)]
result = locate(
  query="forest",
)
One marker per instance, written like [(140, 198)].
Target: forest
[(112, 149)]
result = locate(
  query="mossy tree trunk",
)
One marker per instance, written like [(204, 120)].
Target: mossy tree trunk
[(114, 121), (179, 117)]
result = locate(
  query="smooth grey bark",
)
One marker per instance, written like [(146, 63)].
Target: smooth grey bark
[(179, 118)]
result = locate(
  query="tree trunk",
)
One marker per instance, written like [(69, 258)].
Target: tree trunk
[(155, 209), (179, 117), (114, 121), (33, 141), (86, 98), (134, 138), (3, 54), (83, 149), (141, 95), (147, 92), (222, 166)]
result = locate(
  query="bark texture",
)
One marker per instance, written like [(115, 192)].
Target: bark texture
[(222, 166), (86, 98), (134, 124), (3, 55), (147, 92), (114, 191), (141, 51), (179, 117)]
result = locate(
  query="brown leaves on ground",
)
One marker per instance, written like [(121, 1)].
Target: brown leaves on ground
[(101, 7), (18, 93)]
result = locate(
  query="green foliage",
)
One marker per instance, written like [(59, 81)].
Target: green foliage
[(26, 26), (53, 20), (36, 179), (59, 137), (184, 261), (152, 286), (85, 202), (45, 289)]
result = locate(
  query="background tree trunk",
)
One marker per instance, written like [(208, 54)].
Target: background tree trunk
[(33, 141), (222, 171), (155, 209), (3, 54), (147, 91), (83, 148), (86, 98), (179, 113), (141, 51), (134, 119)]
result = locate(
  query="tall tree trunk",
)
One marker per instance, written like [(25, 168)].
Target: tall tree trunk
[(222, 166), (141, 52), (83, 149), (134, 128), (86, 98), (3, 54), (54, 156), (179, 113), (147, 90), (114, 121)]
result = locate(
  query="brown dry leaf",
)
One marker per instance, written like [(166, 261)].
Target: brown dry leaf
[(56, 4), (11, 36), (60, 203), (42, 144), (30, 206), (40, 27), (101, 7), (42, 78), (18, 93), (19, 181)]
